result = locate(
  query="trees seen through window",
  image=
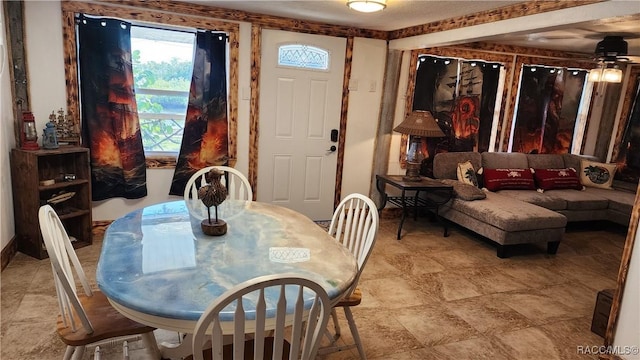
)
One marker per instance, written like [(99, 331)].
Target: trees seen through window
[(162, 67)]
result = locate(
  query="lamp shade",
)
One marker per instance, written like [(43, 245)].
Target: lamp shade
[(420, 123), (367, 6)]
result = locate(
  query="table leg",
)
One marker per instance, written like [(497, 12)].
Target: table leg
[(177, 351), (404, 214), (440, 221)]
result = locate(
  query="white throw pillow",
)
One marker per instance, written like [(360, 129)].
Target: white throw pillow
[(597, 174), (467, 174)]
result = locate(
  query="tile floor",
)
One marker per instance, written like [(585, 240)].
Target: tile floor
[(424, 297)]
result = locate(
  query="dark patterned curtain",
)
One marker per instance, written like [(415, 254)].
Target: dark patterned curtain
[(109, 114), (547, 109), (461, 95), (628, 157), (205, 139), (490, 78)]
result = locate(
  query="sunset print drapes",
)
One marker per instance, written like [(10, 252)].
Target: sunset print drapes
[(461, 95), (205, 139), (547, 109), (109, 113)]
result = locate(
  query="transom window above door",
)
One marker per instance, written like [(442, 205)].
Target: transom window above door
[(303, 56)]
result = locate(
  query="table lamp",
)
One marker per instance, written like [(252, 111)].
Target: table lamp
[(417, 125)]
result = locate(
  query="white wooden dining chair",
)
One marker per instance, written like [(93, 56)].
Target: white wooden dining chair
[(86, 318), (299, 299), (238, 187), (355, 225)]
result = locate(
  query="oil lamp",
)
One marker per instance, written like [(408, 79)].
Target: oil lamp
[(29, 132)]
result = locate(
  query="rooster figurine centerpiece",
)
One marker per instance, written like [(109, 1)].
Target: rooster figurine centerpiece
[(213, 194)]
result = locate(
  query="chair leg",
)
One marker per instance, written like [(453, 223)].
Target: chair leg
[(69, 352), (78, 352), (336, 325), (151, 344), (330, 338), (354, 332)]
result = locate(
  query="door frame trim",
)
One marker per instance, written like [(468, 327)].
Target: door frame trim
[(254, 112)]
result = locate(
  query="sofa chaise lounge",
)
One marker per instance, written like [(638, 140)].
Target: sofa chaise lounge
[(510, 217)]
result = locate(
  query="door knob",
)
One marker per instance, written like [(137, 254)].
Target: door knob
[(332, 149)]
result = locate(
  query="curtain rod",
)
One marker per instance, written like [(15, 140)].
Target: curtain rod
[(160, 26)]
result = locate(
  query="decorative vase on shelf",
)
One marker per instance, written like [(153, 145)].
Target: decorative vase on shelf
[(213, 194)]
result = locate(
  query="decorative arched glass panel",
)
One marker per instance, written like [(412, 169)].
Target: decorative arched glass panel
[(303, 56)]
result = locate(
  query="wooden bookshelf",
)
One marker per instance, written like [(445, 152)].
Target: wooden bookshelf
[(37, 176)]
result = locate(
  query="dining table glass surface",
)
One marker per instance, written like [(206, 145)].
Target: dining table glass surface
[(157, 261)]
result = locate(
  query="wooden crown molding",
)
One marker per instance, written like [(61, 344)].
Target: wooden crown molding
[(506, 12), (312, 27), (265, 21)]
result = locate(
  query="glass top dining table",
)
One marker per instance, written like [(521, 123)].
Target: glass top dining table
[(157, 267)]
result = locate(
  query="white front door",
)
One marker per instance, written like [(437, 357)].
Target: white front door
[(300, 105)]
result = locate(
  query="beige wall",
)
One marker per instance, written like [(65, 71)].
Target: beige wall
[(368, 64), (46, 69), (7, 142), (627, 332), (47, 87)]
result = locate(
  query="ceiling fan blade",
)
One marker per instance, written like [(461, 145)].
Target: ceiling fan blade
[(633, 58)]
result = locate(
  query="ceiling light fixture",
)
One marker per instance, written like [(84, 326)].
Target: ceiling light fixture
[(609, 51), (367, 6), (606, 73)]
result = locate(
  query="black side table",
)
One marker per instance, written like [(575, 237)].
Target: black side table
[(437, 194)]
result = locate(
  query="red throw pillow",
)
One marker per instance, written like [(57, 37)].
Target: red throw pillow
[(549, 179), (508, 179)]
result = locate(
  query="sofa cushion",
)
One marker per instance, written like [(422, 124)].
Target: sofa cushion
[(509, 215), (580, 200), (596, 174), (545, 161), (536, 198), (500, 160), (502, 179), (625, 186), (467, 174), (549, 179), (465, 191), (621, 201), (445, 165)]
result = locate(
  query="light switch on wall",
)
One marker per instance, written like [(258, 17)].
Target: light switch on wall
[(372, 86), (353, 85)]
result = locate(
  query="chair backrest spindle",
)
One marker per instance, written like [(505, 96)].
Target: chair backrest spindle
[(355, 225), (307, 311), (237, 185), (63, 263)]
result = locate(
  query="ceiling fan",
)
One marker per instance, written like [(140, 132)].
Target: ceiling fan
[(613, 48), (609, 52)]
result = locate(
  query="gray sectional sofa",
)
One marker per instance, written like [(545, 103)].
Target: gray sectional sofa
[(510, 217)]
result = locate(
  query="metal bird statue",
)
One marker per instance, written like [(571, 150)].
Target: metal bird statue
[(213, 193)]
